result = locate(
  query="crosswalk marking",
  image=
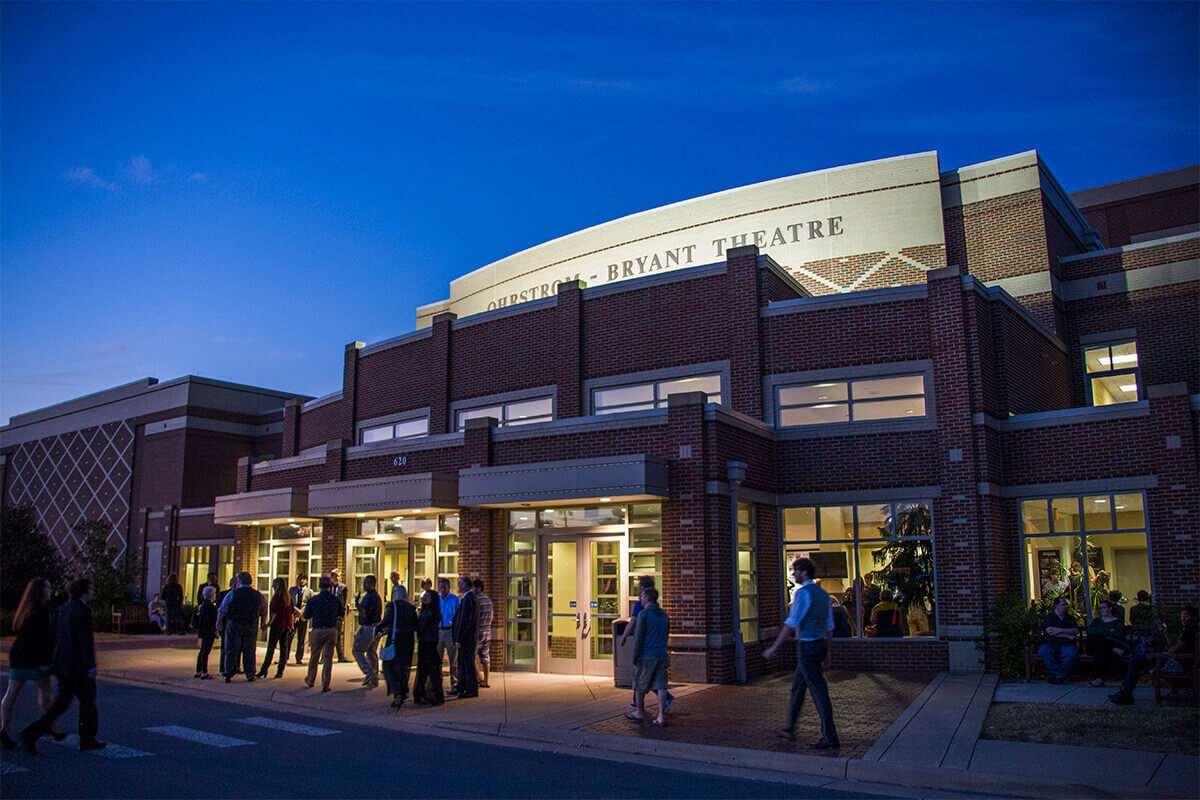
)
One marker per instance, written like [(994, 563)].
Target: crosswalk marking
[(110, 751), (200, 737), (7, 768), (289, 727)]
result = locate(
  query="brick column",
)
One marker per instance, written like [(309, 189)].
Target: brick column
[(689, 565), (438, 373), (243, 474), (291, 428), (334, 533), (961, 533), (481, 547), (1173, 507), (335, 459), (744, 327), (568, 349), (245, 543), (349, 406)]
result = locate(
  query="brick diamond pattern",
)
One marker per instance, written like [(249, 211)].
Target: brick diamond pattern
[(76, 476)]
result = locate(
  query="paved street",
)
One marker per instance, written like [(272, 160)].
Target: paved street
[(164, 744)]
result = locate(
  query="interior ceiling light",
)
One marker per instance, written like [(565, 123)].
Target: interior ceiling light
[(291, 520), (605, 499), (1128, 387), (416, 511), (1126, 359), (360, 514), (255, 523)]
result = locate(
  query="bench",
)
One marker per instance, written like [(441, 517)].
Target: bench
[(1033, 659), (1192, 678), (129, 613)]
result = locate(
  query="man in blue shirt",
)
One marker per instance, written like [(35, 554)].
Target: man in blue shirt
[(811, 619), (449, 603)]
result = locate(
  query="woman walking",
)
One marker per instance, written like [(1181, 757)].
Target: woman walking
[(280, 626), (31, 654), (206, 629), (428, 689)]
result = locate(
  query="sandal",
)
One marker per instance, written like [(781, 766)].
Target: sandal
[(632, 718)]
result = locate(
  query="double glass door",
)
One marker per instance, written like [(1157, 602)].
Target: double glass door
[(582, 600)]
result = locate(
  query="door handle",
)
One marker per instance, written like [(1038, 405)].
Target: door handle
[(587, 630), (576, 620)]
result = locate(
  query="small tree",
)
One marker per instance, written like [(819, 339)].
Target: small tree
[(112, 575), (26, 552)]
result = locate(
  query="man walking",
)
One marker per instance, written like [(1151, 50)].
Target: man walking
[(244, 615), (650, 657), (811, 620), (338, 591), (324, 611), (449, 605), (465, 629), (75, 666), (300, 594), (485, 633), (370, 610)]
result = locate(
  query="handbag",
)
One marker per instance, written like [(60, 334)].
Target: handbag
[(388, 651)]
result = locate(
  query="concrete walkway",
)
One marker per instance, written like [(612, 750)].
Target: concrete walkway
[(1070, 694), (933, 747)]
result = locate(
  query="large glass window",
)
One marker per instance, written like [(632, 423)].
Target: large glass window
[(1112, 372), (1083, 548), (648, 396), (193, 570), (519, 412), (747, 579), (409, 429), (874, 559), (521, 598), (895, 397), (645, 548), (224, 568)]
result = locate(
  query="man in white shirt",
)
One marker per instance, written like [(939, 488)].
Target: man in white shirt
[(811, 620)]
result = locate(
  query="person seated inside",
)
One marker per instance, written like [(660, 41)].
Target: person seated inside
[(841, 618), (1142, 613), (1106, 640), (1058, 650), (158, 613), (1055, 584), (1118, 607), (885, 616), (1184, 646)]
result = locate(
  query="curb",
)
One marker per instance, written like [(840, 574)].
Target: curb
[(767, 765)]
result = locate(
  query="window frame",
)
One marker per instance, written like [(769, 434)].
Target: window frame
[(850, 402), (393, 422), (659, 400), (1111, 372), (504, 408)]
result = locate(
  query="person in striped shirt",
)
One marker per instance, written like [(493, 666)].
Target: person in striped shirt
[(485, 633)]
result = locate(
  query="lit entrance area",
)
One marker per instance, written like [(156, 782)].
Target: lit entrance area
[(286, 551), (572, 572)]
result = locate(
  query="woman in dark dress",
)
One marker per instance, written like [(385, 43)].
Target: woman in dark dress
[(428, 689), (206, 629), (30, 656), (398, 624)]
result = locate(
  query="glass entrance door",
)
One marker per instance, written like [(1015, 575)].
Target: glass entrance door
[(582, 590)]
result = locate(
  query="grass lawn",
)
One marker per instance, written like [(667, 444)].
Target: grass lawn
[(1162, 730)]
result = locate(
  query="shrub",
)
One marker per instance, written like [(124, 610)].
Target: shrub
[(26, 552), (1008, 628)]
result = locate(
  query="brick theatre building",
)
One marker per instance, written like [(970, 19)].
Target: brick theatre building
[(941, 386)]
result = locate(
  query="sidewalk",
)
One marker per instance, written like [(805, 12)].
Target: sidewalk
[(932, 746)]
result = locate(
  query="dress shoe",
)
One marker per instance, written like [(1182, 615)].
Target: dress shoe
[(94, 744), (204, 676), (249, 679), (262, 673), (7, 741), (825, 744), (1121, 699), (308, 683), (326, 689), (786, 733), (279, 674)]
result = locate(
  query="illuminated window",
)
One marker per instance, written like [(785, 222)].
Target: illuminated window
[(649, 396), (895, 397), (193, 571), (1112, 372), (409, 429), (518, 412), (747, 577)]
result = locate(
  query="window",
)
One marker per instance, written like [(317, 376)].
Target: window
[(874, 559), (409, 429), (520, 597), (1112, 372), (649, 396), (193, 571), (645, 548), (224, 568), (897, 397), (518, 412), (747, 577), (263, 579), (1109, 528)]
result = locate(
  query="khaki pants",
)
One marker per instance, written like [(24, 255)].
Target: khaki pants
[(322, 641)]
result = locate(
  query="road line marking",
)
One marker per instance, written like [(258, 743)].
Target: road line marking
[(290, 727), (110, 751), (7, 768), (200, 737)]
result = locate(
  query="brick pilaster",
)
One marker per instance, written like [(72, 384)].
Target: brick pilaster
[(744, 328), (568, 349), (1173, 507), (335, 459), (477, 441), (438, 373), (291, 428), (349, 405), (243, 474), (334, 533)]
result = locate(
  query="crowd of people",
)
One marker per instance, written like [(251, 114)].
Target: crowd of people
[(437, 627)]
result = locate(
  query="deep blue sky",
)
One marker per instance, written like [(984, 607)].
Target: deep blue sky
[(238, 190)]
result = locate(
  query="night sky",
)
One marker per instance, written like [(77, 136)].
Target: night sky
[(238, 190)]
